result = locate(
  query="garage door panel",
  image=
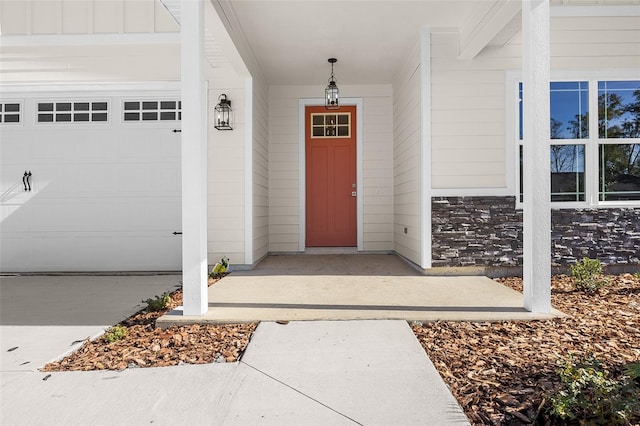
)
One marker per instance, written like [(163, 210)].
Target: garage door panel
[(153, 178), (157, 214), (90, 252), (15, 250), (142, 251), (14, 149)]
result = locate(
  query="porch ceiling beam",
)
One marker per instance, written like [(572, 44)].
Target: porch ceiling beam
[(536, 73), (485, 24), (194, 159)]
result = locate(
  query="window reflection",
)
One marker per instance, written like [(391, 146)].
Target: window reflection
[(618, 109), (567, 173), (569, 110), (619, 172)]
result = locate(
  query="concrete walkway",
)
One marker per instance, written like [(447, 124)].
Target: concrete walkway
[(300, 373), (354, 287)]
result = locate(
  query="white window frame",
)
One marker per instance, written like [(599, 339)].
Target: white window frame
[(592, 143)]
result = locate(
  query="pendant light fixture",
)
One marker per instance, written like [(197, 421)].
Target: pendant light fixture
[(331, 93)]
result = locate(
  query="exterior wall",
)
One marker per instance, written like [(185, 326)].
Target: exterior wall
[(487, 231), (406, 158), (284, 202), (468, 115), (226, 175), (474, 221), (260, 170), (468, 120)]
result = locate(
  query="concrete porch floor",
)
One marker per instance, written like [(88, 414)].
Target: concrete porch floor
[(353, 287)]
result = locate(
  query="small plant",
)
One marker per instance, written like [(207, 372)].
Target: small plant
[(115, 333), (590, 396), (158, 303), (637, 275), (633, 371), (587, 275), (220, 267)]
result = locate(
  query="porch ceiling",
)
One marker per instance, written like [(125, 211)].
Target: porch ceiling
[(291, 40)]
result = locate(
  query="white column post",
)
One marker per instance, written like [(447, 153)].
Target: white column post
[(194, 159), (536, 173)]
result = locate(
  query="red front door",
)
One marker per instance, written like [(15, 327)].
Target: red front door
[(331, 177)]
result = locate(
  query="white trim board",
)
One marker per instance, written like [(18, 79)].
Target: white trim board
[(108, 88), (89, 39), (302, 195), (593, 11)]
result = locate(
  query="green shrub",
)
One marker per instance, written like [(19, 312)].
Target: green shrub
[(587, 275), (115, 333), (590, 396), (633, 371), (158, 303)]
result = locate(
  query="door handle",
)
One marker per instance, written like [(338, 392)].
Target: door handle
[(354, 193), (26, 180)]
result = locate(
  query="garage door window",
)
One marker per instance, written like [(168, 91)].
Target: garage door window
[(152, 110), (73, 112), (10, 113)]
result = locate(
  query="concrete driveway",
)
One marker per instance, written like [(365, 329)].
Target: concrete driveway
[(43, 317)]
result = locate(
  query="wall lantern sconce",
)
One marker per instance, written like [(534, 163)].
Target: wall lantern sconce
[(223, 113), (331, 93)]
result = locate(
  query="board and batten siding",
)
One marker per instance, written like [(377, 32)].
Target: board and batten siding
[(22, 17), (407, 158), (81, 41), (284, 200), (469, 141)]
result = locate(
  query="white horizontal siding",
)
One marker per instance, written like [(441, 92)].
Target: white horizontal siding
[(226, 179), (468, 106), (91, 63), (260, 170), (406, 159), (284, 202)]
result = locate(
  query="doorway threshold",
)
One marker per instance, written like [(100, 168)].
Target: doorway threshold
[(331, 250)]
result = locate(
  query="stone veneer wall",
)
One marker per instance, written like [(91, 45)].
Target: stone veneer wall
[(487, 231)]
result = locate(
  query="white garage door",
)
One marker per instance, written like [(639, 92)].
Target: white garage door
[(104, 190)]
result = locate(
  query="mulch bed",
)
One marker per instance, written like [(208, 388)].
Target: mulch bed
[(147, 346), (502, 373)]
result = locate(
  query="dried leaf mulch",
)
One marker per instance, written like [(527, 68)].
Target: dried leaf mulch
[(502, 373), (147, 346)]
